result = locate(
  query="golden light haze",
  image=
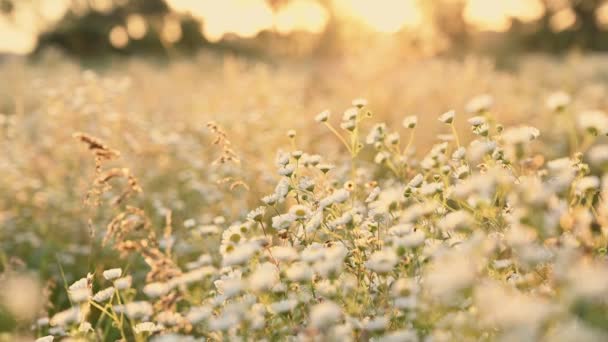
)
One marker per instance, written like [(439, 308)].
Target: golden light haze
[(247, 18), (386, 16), (497, 15), (19, 33), (301, 15)]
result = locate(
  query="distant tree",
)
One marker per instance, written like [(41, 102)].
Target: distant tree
[(586, 34), (541, 35), (87, 34)]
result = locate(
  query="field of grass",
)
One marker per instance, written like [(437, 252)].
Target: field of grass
[(225, 199)]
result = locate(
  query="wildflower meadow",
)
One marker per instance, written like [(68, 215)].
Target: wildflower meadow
[(126, 217), (304, 170)]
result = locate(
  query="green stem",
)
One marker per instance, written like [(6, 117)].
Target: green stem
[(333, 130)]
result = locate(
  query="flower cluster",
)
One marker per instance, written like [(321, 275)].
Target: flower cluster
[(481, 241), (484, 222)]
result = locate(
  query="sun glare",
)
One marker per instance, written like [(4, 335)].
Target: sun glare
[(387, 16), (563, 19), (601, 16), (19, 32), (15, 39), (53, 10), (301, 15), (136, 26), (486, 15), (525, 10), (497, 15), (119, 38), (247, 18)]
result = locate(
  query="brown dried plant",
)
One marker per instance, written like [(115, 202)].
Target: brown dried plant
[(100, 149), (221, 139), (130, 229), (228, 155), (101, 183)]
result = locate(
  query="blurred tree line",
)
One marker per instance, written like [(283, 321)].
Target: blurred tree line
[(585, 32), (86, 34)]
